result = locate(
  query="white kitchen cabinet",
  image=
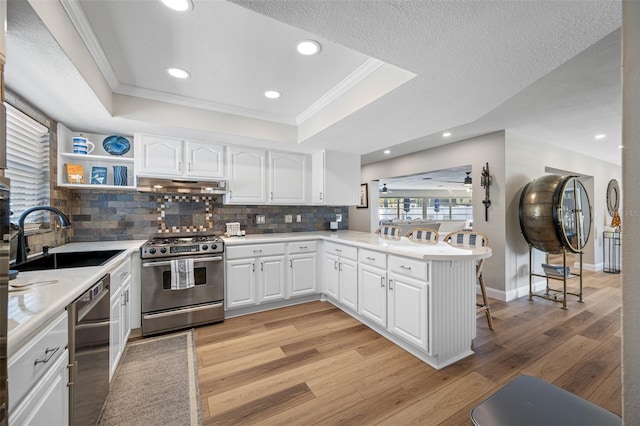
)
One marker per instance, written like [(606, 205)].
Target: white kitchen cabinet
[(38, 377), (254, 274), (115, 338), (335, 178), (247, 175), (340, 274), (372, 292), (302, 278), (160, 156), (288, 178)]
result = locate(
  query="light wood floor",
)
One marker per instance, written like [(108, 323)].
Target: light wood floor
[(314, 364)]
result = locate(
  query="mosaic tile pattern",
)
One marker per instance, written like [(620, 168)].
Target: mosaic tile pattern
[(184, 214)]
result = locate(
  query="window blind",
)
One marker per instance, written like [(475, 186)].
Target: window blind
[(27, 164)]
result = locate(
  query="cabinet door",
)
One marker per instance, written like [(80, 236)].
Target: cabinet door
[(115, 343), (48, 402), (302, 274), (348, 283), (247, 176), (125, 312), (272, 278), (331, 275), (408, 303), (372, 294), (317, 178), (205, 160), (240, 283), (159, 156), (288, 178)]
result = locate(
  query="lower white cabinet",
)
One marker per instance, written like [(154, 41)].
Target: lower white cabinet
[(408, 302), (373, 294), (340, 274), (38, 377), (115, 339), (120, 326), (302, 276), (254, 274)]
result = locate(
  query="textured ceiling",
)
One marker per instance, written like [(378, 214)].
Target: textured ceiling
[(546, 69)]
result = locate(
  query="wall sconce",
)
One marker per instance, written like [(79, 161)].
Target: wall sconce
[(485, 182)]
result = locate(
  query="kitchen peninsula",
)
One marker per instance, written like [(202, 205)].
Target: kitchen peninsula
[(420, 296)]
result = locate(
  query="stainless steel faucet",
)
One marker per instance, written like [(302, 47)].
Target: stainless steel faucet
[(23, 249)]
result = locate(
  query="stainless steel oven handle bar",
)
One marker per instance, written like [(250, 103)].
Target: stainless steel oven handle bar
[(195, 260), (181, 310)]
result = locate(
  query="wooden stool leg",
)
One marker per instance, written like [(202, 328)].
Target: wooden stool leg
[(485, 302)]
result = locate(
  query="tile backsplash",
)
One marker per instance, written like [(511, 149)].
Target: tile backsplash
[(126, 215)]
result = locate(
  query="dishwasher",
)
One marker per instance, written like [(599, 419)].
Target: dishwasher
[(89, 318)]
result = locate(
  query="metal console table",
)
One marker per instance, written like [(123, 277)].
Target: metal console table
[(555, 295), (611, 251)]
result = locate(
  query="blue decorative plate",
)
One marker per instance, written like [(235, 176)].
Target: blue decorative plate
[(116, 145)]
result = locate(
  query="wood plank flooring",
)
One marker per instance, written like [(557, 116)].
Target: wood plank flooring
[(313, 364)]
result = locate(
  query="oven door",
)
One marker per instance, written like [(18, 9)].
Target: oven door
[(156, 284)]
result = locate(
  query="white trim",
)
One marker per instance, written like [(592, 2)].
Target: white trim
[(81, 23), (362, 72)]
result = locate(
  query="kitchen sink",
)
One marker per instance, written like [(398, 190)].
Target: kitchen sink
[(76, 259)]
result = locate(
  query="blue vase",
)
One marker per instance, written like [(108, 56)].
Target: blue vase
[(120, 175)]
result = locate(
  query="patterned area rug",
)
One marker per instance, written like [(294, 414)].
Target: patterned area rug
[(156, 383)]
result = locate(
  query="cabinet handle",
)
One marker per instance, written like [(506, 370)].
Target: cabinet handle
[(257, 251), (340, 266), (335, 264), (291, 263), (338, 250), (390, 284), (262, 266), (180, 165), (382, 282), (371, 258), (253, 267), (127, 293), (272, 195), (189, 164), (303, 247), (405, 267), (230, 194), (48, 353), (123, 299), (321, 195)]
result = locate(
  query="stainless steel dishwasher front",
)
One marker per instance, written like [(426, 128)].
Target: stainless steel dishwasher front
[(89, 323)]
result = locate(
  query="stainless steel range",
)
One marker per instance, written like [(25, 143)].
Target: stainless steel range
[(182, 282)]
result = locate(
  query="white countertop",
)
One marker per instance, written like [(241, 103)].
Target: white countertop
[(49, 292), (402, 246)]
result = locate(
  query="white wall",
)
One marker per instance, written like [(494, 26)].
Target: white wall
[(631, 212)]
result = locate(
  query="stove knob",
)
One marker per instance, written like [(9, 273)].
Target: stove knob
[(152, 251), (204, 247), (213, 247), (163, 250)]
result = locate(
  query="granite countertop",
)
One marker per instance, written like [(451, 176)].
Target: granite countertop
[(47, 293), (402, 246)]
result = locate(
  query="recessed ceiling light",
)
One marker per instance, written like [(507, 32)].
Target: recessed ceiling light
[(308, 47), (179, 5), (620, 146), (178, 73), (387, 151), (446, 134), (600, 136), (272, 94)]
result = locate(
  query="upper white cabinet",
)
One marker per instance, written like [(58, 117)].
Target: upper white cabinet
[(288, 179), (95, 169), (335, 179), (160, 156), (247, 171)]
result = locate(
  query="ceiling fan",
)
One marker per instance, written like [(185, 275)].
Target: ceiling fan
[(385, 190), (468, 181)]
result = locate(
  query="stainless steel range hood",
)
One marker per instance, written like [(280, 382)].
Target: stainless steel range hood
[(179, 186)]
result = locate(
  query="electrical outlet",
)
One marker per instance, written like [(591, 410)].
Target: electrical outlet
[(338, 218), (260, 219), (288, 218), (299, 218)]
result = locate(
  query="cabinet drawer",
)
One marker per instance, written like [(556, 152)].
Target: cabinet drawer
[(374, 258), (35, 358), (341, 250), (410, 267), (302, 247), (120, 274), (254, 250)]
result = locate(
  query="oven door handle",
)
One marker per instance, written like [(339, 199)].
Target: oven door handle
[(168, 262)]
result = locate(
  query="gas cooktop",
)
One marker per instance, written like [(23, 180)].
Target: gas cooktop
[(192, 245)]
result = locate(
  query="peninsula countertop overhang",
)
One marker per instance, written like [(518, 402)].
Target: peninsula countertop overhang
[(402, 247)]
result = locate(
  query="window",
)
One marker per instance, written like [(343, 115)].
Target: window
[(425, 208), (27, 165)]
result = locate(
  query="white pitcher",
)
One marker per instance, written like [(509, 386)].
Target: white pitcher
[(82, 145)]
